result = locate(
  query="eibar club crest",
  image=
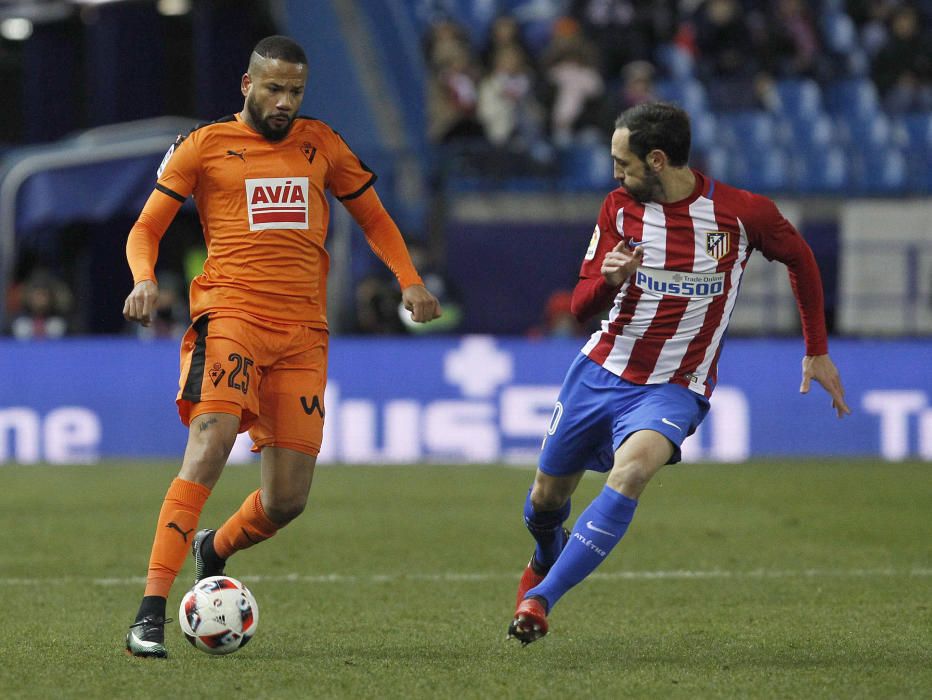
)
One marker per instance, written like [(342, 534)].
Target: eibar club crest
[(717, 244)]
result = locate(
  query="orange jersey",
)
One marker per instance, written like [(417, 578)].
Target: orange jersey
[(264, 214)]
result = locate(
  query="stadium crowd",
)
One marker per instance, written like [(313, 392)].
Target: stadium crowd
[(529, 93), (779, 93)]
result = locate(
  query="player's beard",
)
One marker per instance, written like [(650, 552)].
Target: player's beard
[(267, 130), (648, 190)]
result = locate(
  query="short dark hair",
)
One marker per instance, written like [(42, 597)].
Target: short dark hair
[(657, 125), (281, 47)]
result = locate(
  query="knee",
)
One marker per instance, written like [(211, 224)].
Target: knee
[(545, 498), (281, 510), (631, 477)]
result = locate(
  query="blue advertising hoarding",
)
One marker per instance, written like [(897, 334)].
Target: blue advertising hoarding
[(458, 399)]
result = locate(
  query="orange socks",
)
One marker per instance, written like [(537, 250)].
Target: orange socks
[(174, 533), (246, 527)]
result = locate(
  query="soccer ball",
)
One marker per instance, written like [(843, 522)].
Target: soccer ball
[(219, 615)]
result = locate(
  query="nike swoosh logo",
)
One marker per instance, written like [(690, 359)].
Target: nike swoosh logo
[(598, 529), (670, 422)]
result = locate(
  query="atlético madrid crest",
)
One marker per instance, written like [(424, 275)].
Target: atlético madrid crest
[(717, 244)]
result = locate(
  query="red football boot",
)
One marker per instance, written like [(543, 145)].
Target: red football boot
[(529, 579), (530, 623), (534, 573)]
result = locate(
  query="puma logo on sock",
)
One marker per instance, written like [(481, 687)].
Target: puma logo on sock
[(184, 534)]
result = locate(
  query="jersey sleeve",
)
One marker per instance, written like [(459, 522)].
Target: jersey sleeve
[(592, 293), (775, 237), (179, 171), (383, 236), (350, 176), (176, 180)]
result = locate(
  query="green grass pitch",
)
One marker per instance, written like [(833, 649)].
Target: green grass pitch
[(771, 579)]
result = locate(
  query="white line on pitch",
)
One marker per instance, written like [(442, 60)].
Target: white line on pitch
[(452, 577)]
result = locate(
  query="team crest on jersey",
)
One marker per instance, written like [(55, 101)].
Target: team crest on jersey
[(717, 244), (277, 202), (593, 243)]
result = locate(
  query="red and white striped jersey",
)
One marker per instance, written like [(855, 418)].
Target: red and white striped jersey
[(668, 320)]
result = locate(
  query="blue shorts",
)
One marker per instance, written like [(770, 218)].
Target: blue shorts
[(597, 411)]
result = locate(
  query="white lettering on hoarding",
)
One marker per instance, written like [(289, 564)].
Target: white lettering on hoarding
[(461, 430), (68, 435), (728, 427), (895, 408)]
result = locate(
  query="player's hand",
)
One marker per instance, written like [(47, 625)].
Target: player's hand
[(141, 302), (822, 369), (422, 304), (620, 263)]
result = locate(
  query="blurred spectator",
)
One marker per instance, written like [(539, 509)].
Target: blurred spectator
[(438, 285), (624, 30), (637, 85), (508, 108), (871, 17), (790, 45), (726, 44), (575, 90), (559, 321), (170, 317), (902, 68), (452, 93), (377, 298), (44, 304), (444, 39), (505, 32), (723, 40)]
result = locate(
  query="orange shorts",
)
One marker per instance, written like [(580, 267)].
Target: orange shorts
[(271, 375)]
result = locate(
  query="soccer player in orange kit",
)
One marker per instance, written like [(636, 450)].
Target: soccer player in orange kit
[(255, 357)]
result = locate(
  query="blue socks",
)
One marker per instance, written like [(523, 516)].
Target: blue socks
[(547, 529), (600, 527)]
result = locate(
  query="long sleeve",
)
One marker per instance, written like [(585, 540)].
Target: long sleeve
[(592, 294), (778, 240), (383, 236), (142, 244)]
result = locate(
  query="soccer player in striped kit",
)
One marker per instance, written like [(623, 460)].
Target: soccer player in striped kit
[(667, 257)]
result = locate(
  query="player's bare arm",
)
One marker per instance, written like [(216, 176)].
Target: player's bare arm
[(620, 263), (423, 305), (141, 302), (823, 370)]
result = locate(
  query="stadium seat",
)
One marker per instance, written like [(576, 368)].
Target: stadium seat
[(764, 169), (841, 35), (800, 99), (882, 171), (704, 130), (822, 170), (586, 167), (917, 130), (675, 61), (819, 131), (874, 131), (855, 97), (749, 130), (715, 161), (689, 94)]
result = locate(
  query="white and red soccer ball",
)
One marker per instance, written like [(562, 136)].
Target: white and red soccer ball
[(219, 615)]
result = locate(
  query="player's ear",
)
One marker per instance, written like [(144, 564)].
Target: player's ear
[(245, 83), (656, 160)]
